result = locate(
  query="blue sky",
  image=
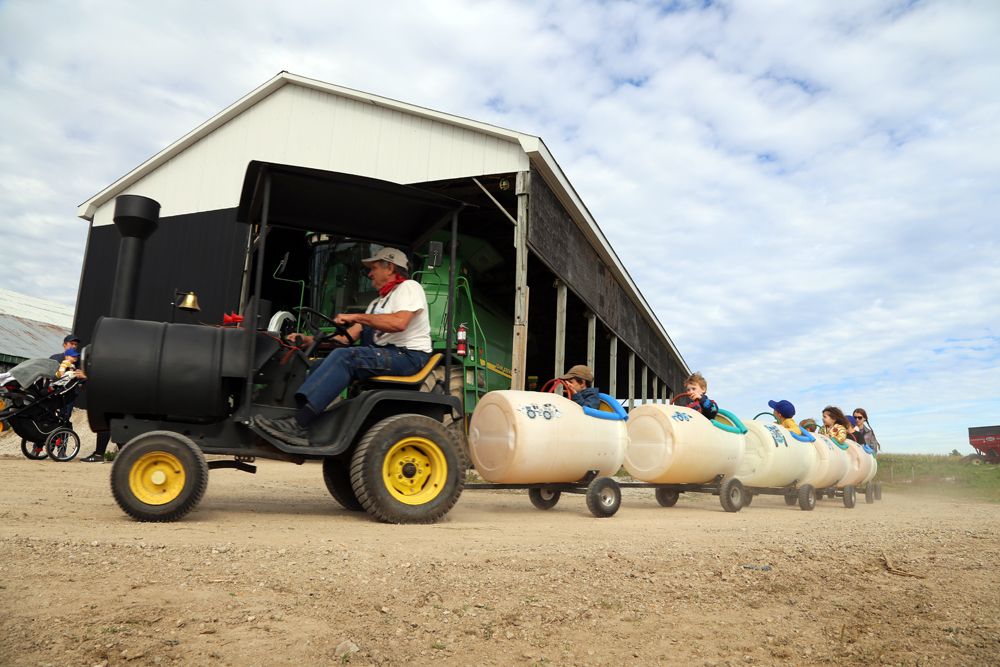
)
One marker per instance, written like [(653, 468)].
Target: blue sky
[(806, 193)]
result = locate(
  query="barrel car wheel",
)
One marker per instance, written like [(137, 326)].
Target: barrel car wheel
[(869, 493), (667, 497), (407, 469), (159, 476), (337, 475), (878, 490), (33, 451), (850, 497), (747, 498), (807, 498), (604, 497), (791, 499), (731, 495), (543, 499)]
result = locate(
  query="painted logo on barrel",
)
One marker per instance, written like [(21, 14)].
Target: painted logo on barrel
[(545, 411), (776, 435), (680, 417)]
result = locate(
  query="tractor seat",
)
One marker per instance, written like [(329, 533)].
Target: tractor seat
[(414, 381)]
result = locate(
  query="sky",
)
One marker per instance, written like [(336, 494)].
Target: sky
[(806, 193)]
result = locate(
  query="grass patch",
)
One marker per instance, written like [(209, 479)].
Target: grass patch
[(943, 474)]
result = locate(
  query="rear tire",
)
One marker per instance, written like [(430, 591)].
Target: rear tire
[(747, 498), (791, 499), (407, 469), (731, 495), (807, 498), (543, 499), (62, 445), (878, 490), (870, 493), (337, 476), (159, 476), (33, 450), (604, 497), (667, 497), (849, 497)]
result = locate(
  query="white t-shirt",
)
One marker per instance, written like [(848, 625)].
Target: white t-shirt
[(409, 296)]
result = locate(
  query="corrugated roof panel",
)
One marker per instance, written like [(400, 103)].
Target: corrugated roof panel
[(20, 337)]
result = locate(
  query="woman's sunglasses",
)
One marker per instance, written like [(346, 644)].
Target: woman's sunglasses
[(858, 417)]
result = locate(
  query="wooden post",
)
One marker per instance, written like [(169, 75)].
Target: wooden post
[(631, 379), (645, 382), (591, 339), (613, 358), (519, 349), (560, 328)]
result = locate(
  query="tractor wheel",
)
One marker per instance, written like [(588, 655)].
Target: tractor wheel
[(849, 497), (747, 498), (62, 444), (543, 499), (33, 451), (667, 497), (407, 469), (869, 493), (604, 497), (791, 499), (807, 498), (337, 475), (731, 495), (878, 490), (159, 476)]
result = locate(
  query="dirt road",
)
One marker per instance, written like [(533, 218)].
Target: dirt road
[(269, 570)]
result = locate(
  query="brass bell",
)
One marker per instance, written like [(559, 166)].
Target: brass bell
[(189, 302)]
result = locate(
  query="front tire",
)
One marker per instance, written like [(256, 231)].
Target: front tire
[(62, 445), (807, 498), (878, 490), (747, 498), (407, 469), (543, 499), (850, 497), (337, 476), (731, 495), (667, 497), (159, 476), (604, 497), (870, 493)]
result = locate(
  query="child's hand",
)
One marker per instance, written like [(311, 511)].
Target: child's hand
[(694, 392)]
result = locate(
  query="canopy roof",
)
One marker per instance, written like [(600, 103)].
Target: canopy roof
[(342, 204)]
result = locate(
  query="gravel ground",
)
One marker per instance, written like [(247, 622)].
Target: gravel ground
[(269, 570)]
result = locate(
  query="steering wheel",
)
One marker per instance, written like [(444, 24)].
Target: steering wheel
[(550, 387), (683, 394), (761, 414), (338, 330)]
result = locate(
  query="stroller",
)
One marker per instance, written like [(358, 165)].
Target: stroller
[(37, 406)]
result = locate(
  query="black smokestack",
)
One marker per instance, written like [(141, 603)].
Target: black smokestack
[(135, 217)]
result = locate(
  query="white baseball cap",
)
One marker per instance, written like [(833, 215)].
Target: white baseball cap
[(391, 255)]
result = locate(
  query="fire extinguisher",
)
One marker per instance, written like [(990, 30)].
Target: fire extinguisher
[(461, 339)]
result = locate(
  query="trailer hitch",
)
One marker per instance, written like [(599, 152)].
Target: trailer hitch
[(237, 465)]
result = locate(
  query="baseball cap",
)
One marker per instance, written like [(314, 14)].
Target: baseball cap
[(580, 372), (784, 408), (850, 418), (71, 353), (392, 255), (70, 338)]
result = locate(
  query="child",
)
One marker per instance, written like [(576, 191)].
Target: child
[(68, 364), (808, 424), (835, 423), (696, 387), (783, 413), (580, 380)]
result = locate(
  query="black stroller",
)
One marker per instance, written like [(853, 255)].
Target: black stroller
[(37, 406)]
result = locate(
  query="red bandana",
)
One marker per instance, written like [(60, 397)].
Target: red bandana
[(391, 285)]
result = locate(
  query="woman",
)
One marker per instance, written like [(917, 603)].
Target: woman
[(865, 429), (835, 424)]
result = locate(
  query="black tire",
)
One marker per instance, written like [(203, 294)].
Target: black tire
[(791, 499), (747, 498), (426, 470), (667, 497), (604, 497), (731, 495), (850, 497), (869, 493), (878, 490), (807, 498), (28, 449), (62, 445), (543, 499), (337, 476), (159, 476)]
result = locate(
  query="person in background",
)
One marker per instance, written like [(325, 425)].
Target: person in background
[(865, 430), (696, 387), (835, 424), (784, 412), (852, 432), (70, 342), (580, 380), (808, 424)]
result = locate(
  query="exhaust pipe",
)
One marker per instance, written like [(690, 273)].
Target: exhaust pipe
[(135, 217)]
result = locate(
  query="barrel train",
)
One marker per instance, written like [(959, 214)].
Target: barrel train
[(550, 445)]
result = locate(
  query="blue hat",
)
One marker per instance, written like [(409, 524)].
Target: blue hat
[(784, 408), (71, 353), (850, 418)]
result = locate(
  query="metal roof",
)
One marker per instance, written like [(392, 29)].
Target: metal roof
[(33, 308), (28, 339)]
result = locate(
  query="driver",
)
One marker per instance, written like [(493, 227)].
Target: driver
[(395, 340)]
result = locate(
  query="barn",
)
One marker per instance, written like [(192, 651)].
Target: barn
[(569, 296)]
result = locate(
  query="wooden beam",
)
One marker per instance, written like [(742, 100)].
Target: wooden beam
[(645, 382), (591, 339), (560, 328), (519, 348), (631, 379), (613, 358)]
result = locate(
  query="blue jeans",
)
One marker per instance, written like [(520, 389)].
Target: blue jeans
[(360, 362)]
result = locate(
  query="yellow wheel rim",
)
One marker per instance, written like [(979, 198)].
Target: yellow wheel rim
[(415, 471), (156, 478)]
